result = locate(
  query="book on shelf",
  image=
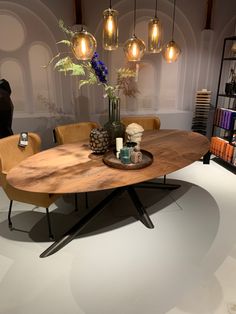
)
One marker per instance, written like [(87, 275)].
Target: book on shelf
[(223, 149), (225, 118), (234, 157)]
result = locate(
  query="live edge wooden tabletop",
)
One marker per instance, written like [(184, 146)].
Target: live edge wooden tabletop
[(73, 168)]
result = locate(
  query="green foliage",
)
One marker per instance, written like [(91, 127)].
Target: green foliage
[(126, 81), (67, 31), (125, 76), (125, 73), (90, 81), (65, 42), (66, 65)]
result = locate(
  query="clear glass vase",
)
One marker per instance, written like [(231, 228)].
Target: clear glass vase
[(114, 126)]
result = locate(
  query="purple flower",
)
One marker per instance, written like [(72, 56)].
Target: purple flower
[(99, 68)]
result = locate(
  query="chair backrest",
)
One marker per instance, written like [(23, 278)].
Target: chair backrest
[(147, 122), (11, 154), (74, 132)]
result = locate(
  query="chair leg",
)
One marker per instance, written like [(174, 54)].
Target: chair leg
[(49, 224), (76, 202), (86, 200), (164, 179), (9, 215)]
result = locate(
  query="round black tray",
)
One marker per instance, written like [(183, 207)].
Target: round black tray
[(110, 159)]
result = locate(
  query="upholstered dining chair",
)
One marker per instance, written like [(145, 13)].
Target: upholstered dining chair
[(74, 132), (10, 155), (147, 122)]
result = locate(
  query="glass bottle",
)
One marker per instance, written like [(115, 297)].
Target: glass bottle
[(114, 126)]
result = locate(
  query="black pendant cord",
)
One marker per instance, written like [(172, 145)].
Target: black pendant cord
[(156, 10), (110, 4), (78, 12), (173, 24), (134, 16)]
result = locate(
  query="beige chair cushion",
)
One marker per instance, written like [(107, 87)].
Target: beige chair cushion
[(70, 133), (147, 122)]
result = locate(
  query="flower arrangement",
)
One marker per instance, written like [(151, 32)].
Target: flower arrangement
[(94, 71)]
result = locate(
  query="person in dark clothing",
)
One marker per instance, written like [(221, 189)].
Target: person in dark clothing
[(6, 109)]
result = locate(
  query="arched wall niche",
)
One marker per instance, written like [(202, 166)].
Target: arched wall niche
[(44, 96), (17, 31), (13, 71)]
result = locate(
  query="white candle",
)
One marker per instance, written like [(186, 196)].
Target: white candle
[(119, 143)]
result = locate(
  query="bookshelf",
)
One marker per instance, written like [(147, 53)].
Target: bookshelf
[(223, 140)]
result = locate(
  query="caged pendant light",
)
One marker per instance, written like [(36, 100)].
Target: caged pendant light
[(110, 29), (155, 34), (134, 47), (171, 50), (83, 45)]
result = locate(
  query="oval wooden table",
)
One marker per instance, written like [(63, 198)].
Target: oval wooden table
[(72, 168)]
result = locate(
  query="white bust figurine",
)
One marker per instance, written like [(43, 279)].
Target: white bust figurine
[(134, 133)]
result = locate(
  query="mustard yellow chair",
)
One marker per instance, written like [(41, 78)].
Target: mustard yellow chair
[(71, 133), (11, 155), (147, 122), (74, 132)]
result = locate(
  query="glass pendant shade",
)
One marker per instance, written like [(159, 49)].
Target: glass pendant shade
[(110, 29), (154, 36), (83, 45), (134, 49), (171, 52)]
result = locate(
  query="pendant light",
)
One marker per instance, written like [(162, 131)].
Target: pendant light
[(134, 47), (83, 45), (171, 50), (155, 34), (110, 29)]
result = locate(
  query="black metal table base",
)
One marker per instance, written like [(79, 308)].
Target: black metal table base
[(143, 215), (156, 185)]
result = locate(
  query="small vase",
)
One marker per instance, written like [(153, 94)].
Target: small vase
[(114, 127), (99, 140)]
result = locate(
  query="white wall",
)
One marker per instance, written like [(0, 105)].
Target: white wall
[(167, 90), (28, 35)]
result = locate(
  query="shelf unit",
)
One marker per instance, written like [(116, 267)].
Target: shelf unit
[(223, 141)]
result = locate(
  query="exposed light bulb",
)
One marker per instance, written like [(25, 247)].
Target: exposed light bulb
[(83, 45), (171, 52), (154, 36), (110, 29), (134, 49), (155, 32), (110, 25)]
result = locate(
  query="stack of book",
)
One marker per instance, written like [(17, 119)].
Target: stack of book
[(201, 114), (221, 148), (225, 118)]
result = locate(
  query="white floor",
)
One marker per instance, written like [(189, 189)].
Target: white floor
[(187, 264)]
